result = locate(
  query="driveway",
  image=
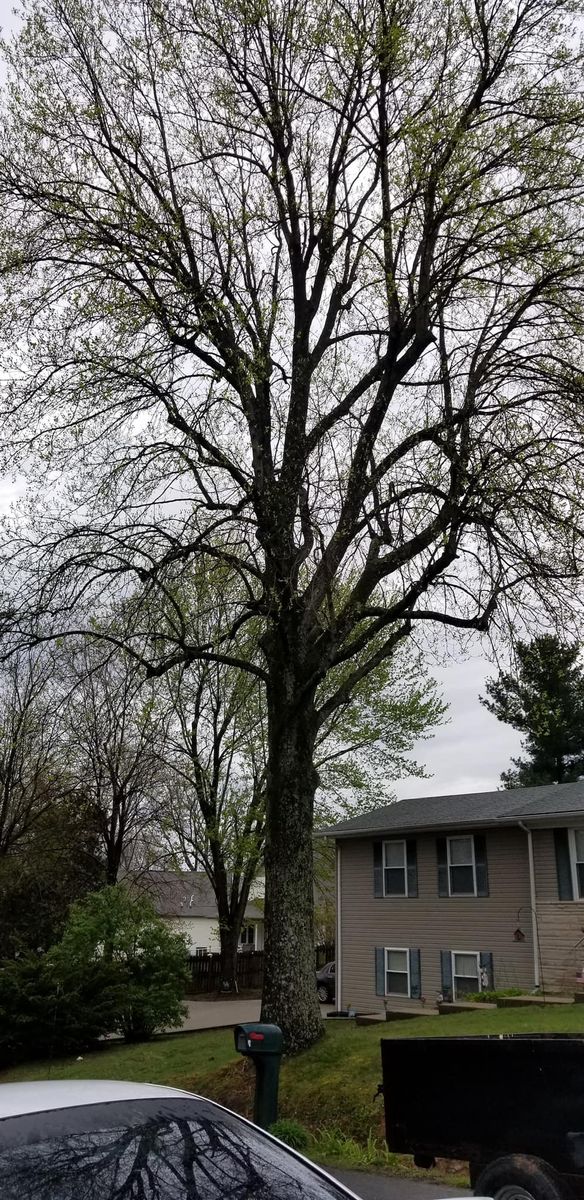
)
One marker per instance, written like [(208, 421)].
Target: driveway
[(388, 1187), (218, 1014), (221, 1014)]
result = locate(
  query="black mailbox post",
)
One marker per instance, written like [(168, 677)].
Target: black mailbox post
[(263, 1044)]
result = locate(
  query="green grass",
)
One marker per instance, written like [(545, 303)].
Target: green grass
[(166, 1060), (329, 1089)]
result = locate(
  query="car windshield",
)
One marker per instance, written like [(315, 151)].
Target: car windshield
[(148, 1150)]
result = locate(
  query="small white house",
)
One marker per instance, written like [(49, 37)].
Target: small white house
[(186, 900)]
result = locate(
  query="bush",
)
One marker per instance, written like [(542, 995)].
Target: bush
[(117, 969), (123, 931), (291, 1132), (44, 1012), (491, 997)]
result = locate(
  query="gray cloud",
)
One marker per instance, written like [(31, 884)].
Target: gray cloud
[(469, 753)]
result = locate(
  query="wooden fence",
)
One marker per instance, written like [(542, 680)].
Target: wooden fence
[(205, 970)]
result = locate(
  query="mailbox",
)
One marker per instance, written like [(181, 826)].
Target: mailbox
[(263, 1044), (252, 1039)]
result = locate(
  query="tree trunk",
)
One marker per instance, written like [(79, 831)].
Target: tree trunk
[(229, 941), (289, 995)]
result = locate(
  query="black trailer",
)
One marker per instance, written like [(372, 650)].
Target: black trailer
[(511, 1105)]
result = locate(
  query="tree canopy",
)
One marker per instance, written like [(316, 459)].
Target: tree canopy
[(543, 697), (295, 288)]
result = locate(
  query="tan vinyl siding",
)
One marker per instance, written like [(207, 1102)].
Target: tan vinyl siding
[(561, 922), (430, 923)]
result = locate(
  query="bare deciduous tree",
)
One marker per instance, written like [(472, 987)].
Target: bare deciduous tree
[(216, 798), (295, 288), (114, 731), (33, 774)]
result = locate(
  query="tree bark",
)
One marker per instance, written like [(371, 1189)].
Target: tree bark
[(229, 941), (289, 996)]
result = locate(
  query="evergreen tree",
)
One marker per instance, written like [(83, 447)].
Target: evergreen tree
[(544, 699)]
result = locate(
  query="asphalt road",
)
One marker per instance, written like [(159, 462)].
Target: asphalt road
[(388, 1187)]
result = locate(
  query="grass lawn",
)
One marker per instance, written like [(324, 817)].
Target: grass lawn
[(330, 1088)]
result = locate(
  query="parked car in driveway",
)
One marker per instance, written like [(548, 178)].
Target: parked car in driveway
[(105, 1140), (325, 983)]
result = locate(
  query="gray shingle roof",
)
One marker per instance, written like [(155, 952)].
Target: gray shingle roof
[(184, 894), (532, 804)]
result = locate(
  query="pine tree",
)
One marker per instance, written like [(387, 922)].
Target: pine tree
[(544, 699)]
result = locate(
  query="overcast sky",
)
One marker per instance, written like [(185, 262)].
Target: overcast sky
[(467, 754)]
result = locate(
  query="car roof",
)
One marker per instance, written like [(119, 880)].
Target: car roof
[(19, 1098)]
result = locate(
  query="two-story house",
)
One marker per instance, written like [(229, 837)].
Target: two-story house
[(449, 895)]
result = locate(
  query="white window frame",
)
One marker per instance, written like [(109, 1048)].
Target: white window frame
[(245, 927), (397, 950), (471, 953), (458, 837), (396, 842), (573, 861)]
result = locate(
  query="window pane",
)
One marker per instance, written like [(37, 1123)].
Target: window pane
[(579, 839), (397, 960), (464, 986), (461, 851), (580, 878), (397, 983), (395, 881), (465, 964), (462, 881), (394, 854)]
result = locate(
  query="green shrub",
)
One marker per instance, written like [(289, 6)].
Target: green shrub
[(116, 928), (117, 969), (291, 1132), (44, 1012), (492, 996)]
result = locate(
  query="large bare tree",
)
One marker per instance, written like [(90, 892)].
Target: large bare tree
[(293, 287)]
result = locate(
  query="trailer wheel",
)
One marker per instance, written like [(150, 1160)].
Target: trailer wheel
[(519, 1177)]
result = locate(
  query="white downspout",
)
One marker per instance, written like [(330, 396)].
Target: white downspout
[(338, 931), (533, 902)]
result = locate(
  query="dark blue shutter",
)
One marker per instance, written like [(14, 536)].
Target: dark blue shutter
[(412, 862), (379, 971), (446, 973), (480, 849), (415, 975), (378, 869), (442, 858), (486, 961), (563, 864)]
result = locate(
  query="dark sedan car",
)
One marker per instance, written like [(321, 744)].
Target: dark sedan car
[(325, 983), (102, 1140)]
